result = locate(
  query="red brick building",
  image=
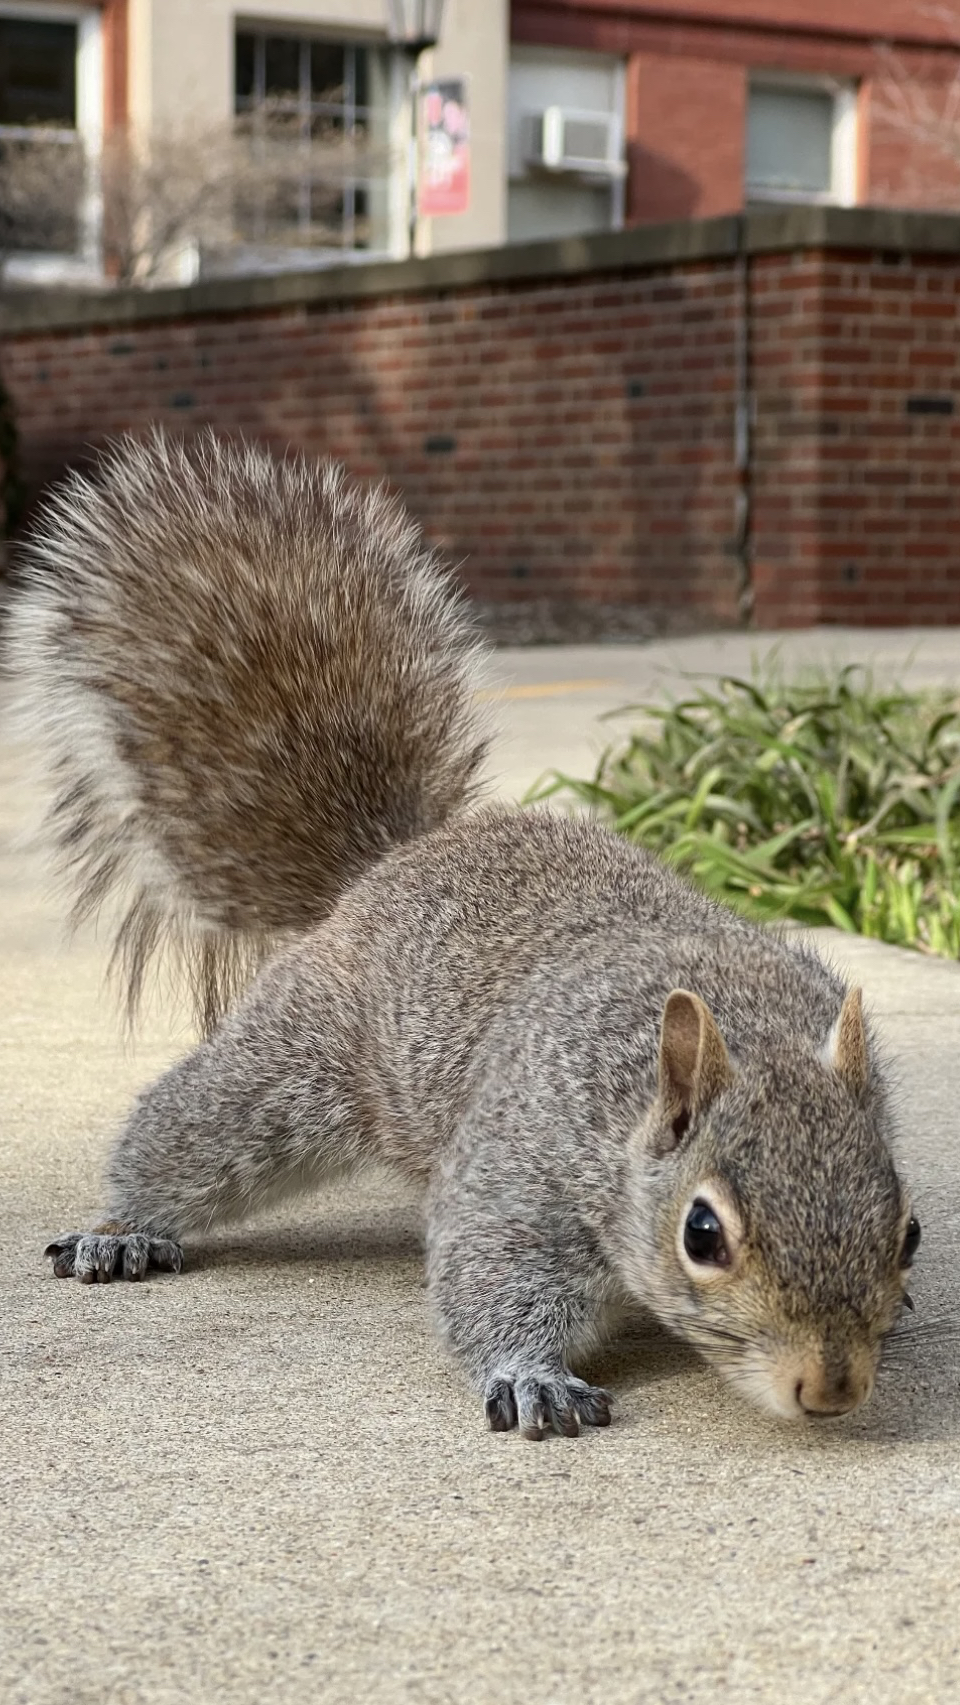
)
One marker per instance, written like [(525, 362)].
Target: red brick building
[(710, 105), (728, 102)]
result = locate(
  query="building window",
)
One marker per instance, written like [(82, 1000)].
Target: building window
[(315, 112), (801, 141), (565, 142), (50, 134)]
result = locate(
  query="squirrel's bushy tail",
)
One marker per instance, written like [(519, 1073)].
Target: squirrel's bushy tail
[(252, 680)]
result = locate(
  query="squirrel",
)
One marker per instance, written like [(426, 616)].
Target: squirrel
[(257, 695)]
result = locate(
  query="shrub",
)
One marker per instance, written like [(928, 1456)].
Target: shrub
[(825, 800)]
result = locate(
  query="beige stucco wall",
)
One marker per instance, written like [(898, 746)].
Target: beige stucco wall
[(476, 42), (181, 63)]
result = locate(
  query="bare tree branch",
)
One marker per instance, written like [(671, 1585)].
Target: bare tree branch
[(41, 188), (259, 180), (923, 105)]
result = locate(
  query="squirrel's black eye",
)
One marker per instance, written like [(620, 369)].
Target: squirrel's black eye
[(911, 1243), (703, 1236)]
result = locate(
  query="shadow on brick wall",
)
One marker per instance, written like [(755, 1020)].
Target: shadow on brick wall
[(565, 441)]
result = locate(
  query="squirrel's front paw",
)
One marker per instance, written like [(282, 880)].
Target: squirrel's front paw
[(536, 1404), (96, 1257)]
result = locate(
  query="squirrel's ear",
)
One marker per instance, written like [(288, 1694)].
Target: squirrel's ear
[(694, 1063), (846, 1049)]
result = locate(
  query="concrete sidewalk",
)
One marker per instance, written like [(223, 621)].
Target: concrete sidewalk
[(264, 1481), (556, 694)]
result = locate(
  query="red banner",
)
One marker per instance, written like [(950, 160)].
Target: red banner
[(444, 179)]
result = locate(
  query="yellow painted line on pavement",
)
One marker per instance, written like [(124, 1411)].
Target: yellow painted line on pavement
[(549, 689)]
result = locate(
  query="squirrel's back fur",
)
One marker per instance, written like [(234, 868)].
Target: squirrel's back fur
[(252, 679)]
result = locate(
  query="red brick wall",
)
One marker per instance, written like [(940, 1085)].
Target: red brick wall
[(907, 19), (671, 173), (572, 437), (540, 432), (915, 163), (786, 313), (858, 444)]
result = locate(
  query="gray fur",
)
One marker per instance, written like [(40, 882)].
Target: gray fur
[(479, 1008)]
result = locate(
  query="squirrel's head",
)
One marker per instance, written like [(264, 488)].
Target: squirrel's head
[(782, 1235)]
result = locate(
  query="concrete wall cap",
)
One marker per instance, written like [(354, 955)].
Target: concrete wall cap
[(642, 248)]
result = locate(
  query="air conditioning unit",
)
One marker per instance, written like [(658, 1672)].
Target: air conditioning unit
[(566, 139)]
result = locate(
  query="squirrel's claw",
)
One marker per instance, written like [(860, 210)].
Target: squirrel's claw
[(501, 1411), (96, 1257), (538, 1406)]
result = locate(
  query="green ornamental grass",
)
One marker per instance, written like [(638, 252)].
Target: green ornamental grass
[(823, 800)]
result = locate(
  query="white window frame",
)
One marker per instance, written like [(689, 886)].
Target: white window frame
[(618, 186), (85, 266), (844, 139), (267, 256)]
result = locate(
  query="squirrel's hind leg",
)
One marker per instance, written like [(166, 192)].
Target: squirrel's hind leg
[(261, 1111), (518, 1290)]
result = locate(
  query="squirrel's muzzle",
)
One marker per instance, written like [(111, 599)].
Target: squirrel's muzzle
[(822, 1395), (828, 1385)]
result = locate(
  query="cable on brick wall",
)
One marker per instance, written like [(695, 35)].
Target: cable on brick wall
[(743, 423)]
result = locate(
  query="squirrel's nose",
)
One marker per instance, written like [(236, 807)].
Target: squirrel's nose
[(821, 1401)]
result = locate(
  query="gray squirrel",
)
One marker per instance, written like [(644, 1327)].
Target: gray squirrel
[(257, 696)]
